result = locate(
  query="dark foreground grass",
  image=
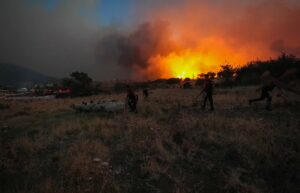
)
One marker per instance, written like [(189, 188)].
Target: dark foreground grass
[(170, 145)]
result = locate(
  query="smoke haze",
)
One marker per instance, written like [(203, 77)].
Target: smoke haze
[(71, 36)]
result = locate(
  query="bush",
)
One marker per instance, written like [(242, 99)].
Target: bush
[(80, 84), (187, 85), (250, 73), (227, 74), (173, 81), (4, 106), (120, 87)]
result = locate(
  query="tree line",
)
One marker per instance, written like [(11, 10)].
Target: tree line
[(250, 73), (82, 85)]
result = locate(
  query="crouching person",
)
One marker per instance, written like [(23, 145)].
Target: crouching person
[(131, 100)]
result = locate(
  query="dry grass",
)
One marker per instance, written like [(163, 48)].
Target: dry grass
[(170, 145)]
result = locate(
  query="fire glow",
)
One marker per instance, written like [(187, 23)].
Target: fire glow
[(184, 60), (202, 38), (205, 36), (187, 64)]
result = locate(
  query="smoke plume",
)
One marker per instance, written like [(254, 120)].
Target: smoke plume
[(159, 38)]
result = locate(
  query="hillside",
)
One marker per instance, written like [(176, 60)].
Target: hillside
[(16, 76)]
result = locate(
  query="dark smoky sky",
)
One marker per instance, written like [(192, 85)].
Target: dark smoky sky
[(133, 50), (110, 38)]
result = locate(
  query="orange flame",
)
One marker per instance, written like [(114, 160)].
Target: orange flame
[(189, 63), (207, 35)]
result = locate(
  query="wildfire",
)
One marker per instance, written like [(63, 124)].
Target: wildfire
[(185, 55), (183, 66), (186, 64)]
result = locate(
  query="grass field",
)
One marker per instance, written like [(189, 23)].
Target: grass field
[(170, 145)]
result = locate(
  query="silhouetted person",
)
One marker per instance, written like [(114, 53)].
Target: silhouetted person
[(145, 93), (131, 99), (208, 90), (268, 86)]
